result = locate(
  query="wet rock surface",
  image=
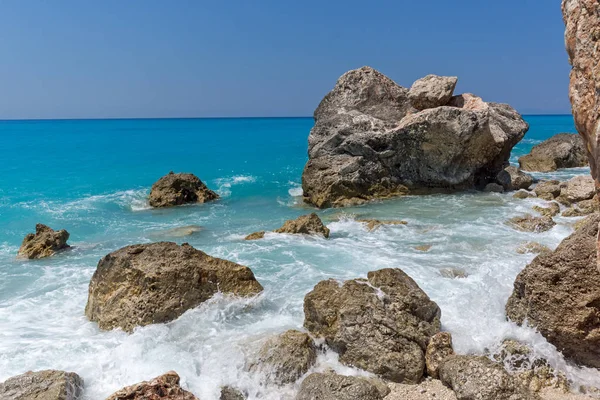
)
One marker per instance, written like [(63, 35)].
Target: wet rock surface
[(164, 387), (178, 189), (43, 385), (331, 386), (45, 242), (529, 223), (565, 150), (309, 224)]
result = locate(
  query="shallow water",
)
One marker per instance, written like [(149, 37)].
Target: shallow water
[(92, 178)]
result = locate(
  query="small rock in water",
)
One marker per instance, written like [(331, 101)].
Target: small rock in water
[(584, 207), (331, 386), (550, 211), (44, 243), (533, 247), (164, 387), (577, 189), (529, 223), (564, 150), (255, 235), (493, 188), (181, 231), (177, 189), (43, 385), (229, 393), (438, 349), (309, 224), (453, 273), (548, 190), (523, 194), (373, 224), (512, 178), (423, 247)]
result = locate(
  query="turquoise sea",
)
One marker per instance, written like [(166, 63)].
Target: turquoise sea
[(92, 177)]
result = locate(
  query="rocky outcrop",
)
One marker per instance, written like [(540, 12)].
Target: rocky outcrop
[(577, 189), (164, 387), (564, 150), (309, 224), (369, 141), (331, 386), (559, 294), (381, 324), (438, 349), (512, 178), (582, 19), (529, 223), (157, 282), (45, 242), (43, 385), (432, 91), (285, 358), (550, 211), (177, 189), (374, 224)]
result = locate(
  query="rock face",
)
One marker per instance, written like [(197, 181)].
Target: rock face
[(164, 387), (577, 189), (369, 142), (581, 38), (285, 358), (512, 178), (177, 189), (564, 150), (559, 294), (44, 243), (550, 211), (309, 224), (438, 349), (382, 324), (43, 385), (331, 386), (432, 91), (529, 223), (154, 283)]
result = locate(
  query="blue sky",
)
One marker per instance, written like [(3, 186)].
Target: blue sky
[(146, 58)]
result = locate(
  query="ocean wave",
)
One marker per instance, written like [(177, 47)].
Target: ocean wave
[(224, 184)]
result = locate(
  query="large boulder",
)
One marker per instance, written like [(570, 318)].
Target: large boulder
[(432, 91), (177, 189), (381, 324), (558, 293), (43, 243), (577, 189), (164, 387), (43, 385), (565, 150), (153, 283), (369, 142), (331, 386), (512, 178)]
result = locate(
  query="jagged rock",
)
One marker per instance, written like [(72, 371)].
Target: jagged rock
[(582, 19), (368, 142), (164, 387), (582, 208), (577, 189), (533, 247), (493, 187), (177, 189), (550, 211), (255, 235), (512, 178), (438, 349), (43, 385), (529, 223), (331, 386), (523, 194), (432, 91), (44, 243), (548, 190), (564, 150), (381, 324), (309, 224), (479, 378), (157, 282), (373, 224), (286, 357), (559, 294), (229, 393)]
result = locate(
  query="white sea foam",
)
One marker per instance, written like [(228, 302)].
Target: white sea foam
[(224, 184)]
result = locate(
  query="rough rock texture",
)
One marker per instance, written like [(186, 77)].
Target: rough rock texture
[(512, 178), (453, 273), (582, 19), (43, 243), (286, 357), (157, 282), (524, 194), (548, 190), (529, 223), (374, 224), (479, 378), (432, 91), (559, 294), (369, 142), (162, 387), (309, 224), (564, 150), (577, 189), (438, 349), (331, 386), (533, 247), (584, 207), (550, 211), (229, 393), (381, 324), (429, 389), (255, 235), (493, 187), (42, 385), (177, 189)]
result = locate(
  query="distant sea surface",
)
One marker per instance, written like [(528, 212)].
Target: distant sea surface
[(92, 177)]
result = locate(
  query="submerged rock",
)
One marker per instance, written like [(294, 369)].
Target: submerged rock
[(550, 211), (533, 247), (564, 150), (229, 393), (374, 224), (523, 194), (529, 223), (453, 273), (368, 142), (559, 294), (180, 231), (381, 324), (577, 189), (331, 386), (512, 178), (43, 385), (309, 224), (432, 91), (177, 189), (438, 349), (45, 242), (423, 247), (164, 387), (157, 282), (255, 235)]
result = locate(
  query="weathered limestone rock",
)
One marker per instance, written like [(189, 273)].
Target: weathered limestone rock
[(564, 150), (42, 385), (559, 294), (369, 142), (164, 387), (374, 224), (255, 235), (381, 324), (309, 224), (432, 91), (548, 190), (529, 223), (577, 189), (286, 357), (44, 243), (177, 189), (428, 389), (423, 247), (533, 247), (438, 349), (584, 207), (331, 386), (550, 211), (157, 282), (523, 194), (493, 187), (582, 19), (512, 178), (229, 393)]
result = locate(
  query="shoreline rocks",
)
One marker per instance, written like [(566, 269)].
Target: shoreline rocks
[(43, 385), (512, 178), (331, 386), (565, 150), (45, 242), (157, 282), (164, 387), (178, 189), (529, 223), (309, 224)]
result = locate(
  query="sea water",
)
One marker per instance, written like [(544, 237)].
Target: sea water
[(93, 177)]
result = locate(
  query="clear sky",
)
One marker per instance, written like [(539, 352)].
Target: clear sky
[(178, 58)]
